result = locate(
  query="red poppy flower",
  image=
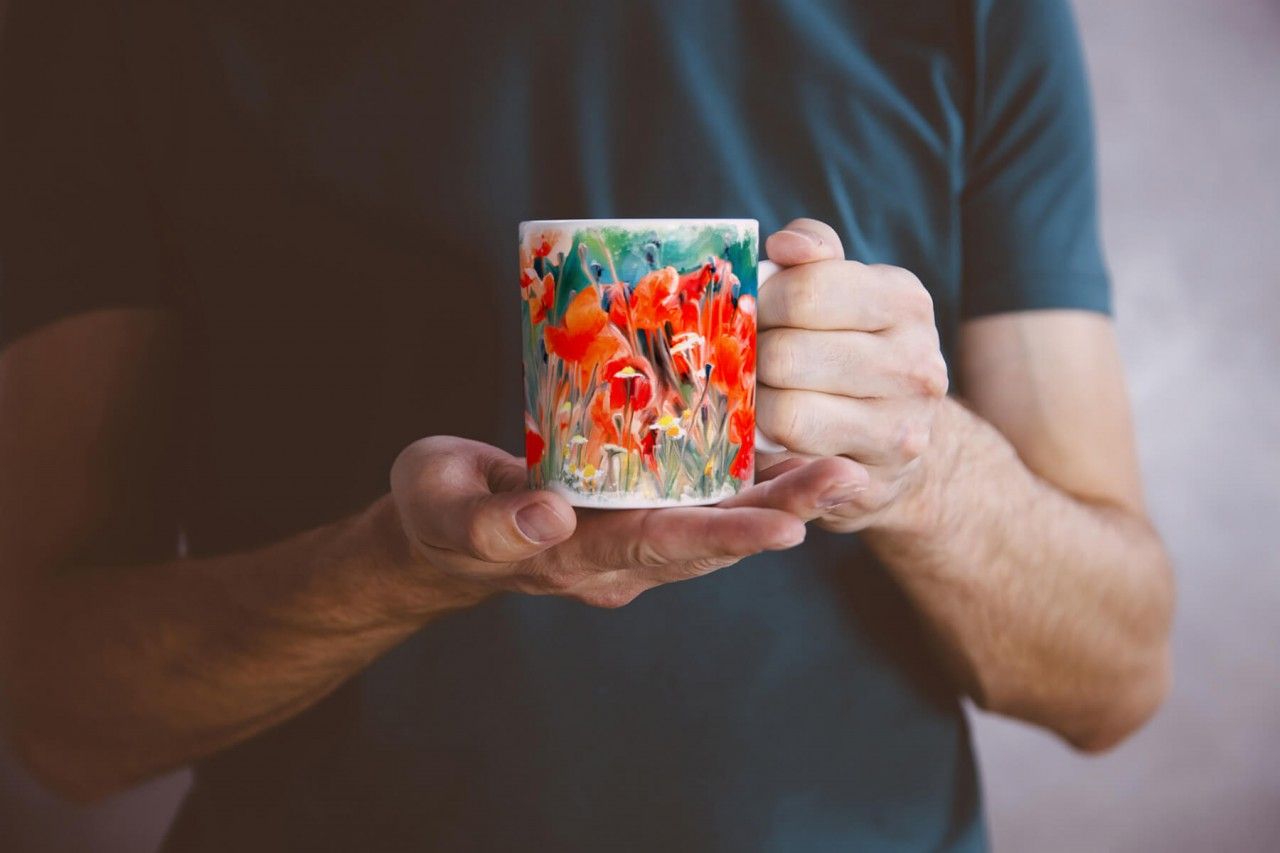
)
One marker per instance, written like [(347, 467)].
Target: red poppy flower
[(690, 317), (742, 431), (647, 445), (694, 284), (630, 380), (542, 249), (533, 447)]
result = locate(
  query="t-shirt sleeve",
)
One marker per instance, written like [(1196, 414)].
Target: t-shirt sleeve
[(1029, 203), (78, 229)]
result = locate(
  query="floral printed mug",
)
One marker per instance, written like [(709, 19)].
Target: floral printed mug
[(640, 359)]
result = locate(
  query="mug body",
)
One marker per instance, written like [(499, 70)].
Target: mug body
[(639, 359)]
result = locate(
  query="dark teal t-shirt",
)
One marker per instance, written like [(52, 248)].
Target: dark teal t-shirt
[(327, 194)]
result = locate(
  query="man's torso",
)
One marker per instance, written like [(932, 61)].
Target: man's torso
[(340, 188)]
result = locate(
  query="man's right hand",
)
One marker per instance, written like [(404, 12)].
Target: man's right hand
[(469, 518)]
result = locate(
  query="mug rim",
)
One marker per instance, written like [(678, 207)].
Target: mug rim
[(626, 222)]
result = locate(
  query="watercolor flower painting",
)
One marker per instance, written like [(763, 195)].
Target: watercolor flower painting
[(639, 359)]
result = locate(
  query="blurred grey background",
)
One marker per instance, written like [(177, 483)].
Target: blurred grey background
[(1187, 96), (1188, 111)]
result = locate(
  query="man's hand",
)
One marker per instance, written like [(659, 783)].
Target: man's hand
[(849, 365), (469, 518), (1022, 542)]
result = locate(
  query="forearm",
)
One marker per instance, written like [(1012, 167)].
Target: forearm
[(113, 674), (1048, 608)]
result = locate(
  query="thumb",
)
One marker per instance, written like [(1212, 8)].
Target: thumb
[(455, 495), (804, 241)]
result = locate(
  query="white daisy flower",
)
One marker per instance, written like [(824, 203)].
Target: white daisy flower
[(670, 426)]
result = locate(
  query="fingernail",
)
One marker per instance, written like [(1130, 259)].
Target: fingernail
[(841, 494), (539, 522), (807, 236)]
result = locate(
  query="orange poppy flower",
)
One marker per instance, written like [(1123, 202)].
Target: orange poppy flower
[(606, 429), (583, 321), (540, 296), (654, 301), (603, 348), (744, 329), (720, 307), (728, 376)]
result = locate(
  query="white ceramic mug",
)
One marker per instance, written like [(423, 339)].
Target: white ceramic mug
[(639, 359)]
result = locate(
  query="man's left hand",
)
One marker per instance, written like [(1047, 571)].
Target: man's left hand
[(849, 365)]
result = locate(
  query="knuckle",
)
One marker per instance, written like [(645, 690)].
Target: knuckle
[(421, 454), (915, 298), (802, 297), (912, 283), (927, 376), (777, 357), (788, 425), (433, 443), (919, 299), (913, 440), (941, 377)]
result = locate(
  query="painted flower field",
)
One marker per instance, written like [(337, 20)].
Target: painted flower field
[(639, 360)]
